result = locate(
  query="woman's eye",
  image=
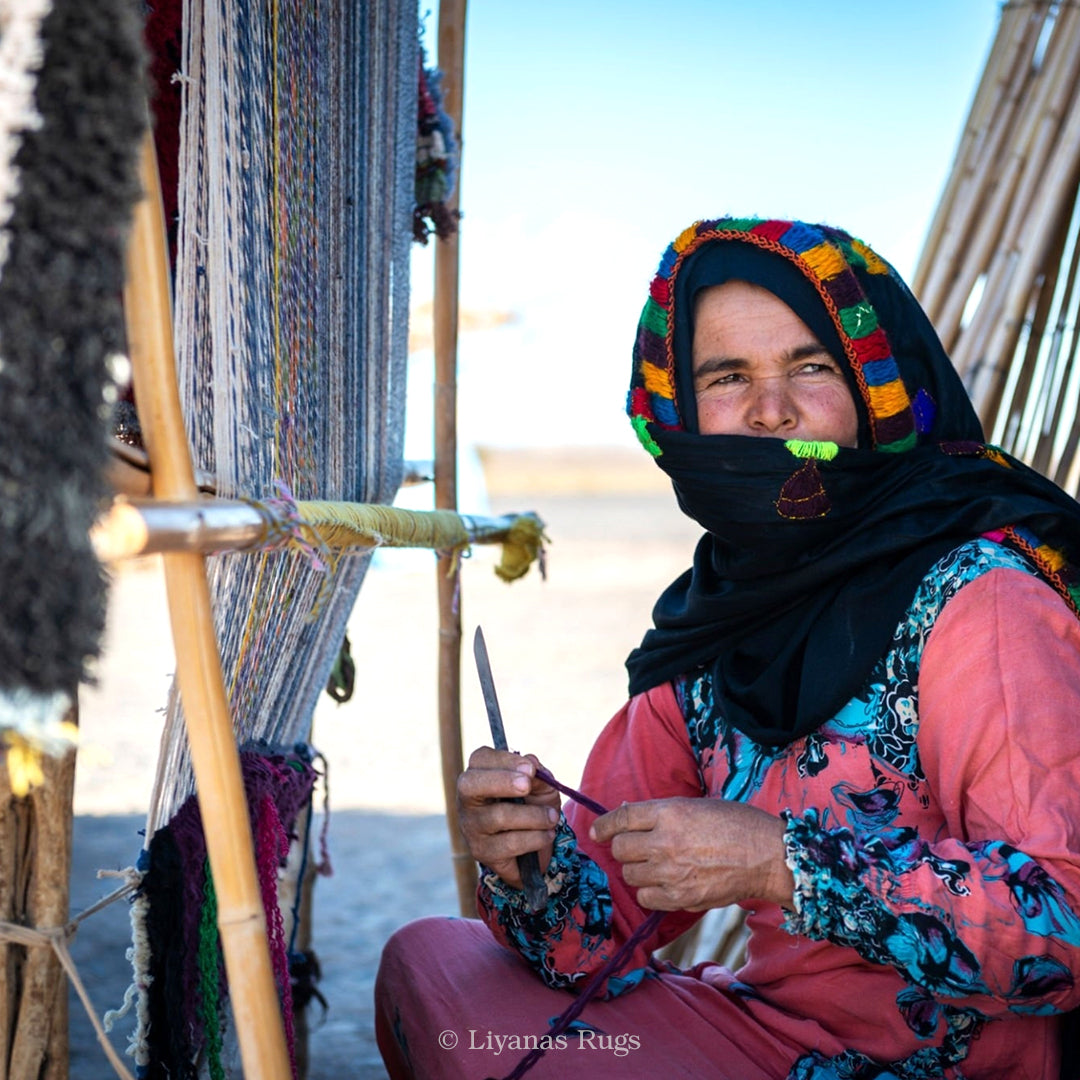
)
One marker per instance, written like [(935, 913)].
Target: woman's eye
[(816, 367)]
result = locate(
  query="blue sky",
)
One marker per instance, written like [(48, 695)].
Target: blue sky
[(595, 130)]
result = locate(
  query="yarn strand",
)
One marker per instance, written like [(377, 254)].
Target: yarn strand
[(615, 963)]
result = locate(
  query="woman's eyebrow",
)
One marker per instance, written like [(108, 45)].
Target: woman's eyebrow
[(801, 352), (714, 364), (719, 363)]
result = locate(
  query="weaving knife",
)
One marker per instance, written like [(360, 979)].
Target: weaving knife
[(532, 880)]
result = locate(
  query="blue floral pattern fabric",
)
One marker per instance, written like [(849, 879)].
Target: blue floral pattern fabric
[(874, 871)]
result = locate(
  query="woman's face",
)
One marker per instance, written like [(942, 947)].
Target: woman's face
[(758, 370)]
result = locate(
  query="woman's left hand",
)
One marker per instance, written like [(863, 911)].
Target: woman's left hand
[(695, 854)]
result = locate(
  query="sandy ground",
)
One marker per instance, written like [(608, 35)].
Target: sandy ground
[(557, 649)]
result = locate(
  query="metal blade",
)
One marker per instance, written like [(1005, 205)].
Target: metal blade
[(532, 879), (487, 686)]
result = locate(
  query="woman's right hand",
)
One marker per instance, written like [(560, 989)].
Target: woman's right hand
[(497, 830)]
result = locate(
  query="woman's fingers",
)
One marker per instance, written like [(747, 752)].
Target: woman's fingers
[(504, 811)]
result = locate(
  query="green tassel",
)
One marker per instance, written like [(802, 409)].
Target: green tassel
[(209, 978), (739, 224), (807, 448), (641, 428), (1074, 596)]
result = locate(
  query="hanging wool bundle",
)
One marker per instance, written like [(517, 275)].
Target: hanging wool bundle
[(436, 154), (72, 111), (184, 972)]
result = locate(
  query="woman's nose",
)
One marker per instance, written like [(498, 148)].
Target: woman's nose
[(771, 407)]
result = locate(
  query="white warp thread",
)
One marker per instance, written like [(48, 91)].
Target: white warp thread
[(330, 302)]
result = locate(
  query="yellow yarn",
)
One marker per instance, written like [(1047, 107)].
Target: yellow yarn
[(344, 525), (656, 380), (24, 753), (874, 263), (825, 260), (1051, 557), (889, 399), (684, 239), (524, 544)]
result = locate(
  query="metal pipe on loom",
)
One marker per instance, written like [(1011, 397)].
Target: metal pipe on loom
[(134, 527)]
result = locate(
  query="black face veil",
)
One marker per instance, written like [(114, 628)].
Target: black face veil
[(812, 552)]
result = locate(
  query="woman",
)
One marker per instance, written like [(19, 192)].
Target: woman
[(855, 716)]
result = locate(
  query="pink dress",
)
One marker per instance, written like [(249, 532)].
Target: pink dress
[(933, 827)]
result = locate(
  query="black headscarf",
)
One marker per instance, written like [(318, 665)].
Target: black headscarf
[(813, 552)]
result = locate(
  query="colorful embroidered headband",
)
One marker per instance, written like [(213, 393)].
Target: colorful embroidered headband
[(825, 256)]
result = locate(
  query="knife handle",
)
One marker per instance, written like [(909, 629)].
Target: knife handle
[(532, 881)]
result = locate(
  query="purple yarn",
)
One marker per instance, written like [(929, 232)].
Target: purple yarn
[(614, 964), (569, 792), (287, 780)]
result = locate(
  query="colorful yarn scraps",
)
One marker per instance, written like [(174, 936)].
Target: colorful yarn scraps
[(436, 151), (187, 991), (1052, 563), (826, 256)]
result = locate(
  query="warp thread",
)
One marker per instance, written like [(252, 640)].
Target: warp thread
[(611, 967)]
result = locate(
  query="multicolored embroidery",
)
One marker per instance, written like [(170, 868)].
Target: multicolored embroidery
[(825, 256)]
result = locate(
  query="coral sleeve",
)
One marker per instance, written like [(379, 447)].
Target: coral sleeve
[(986, 914), (643, 753)]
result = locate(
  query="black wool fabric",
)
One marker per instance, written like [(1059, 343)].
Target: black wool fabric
[(60, 318), (791, 615)]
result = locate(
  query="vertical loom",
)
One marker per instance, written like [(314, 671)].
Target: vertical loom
[(296, 172), (296, 168)]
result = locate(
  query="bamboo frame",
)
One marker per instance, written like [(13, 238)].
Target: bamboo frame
[(1032, 143), (1057, 179), (214, 756), (452, 65), (948, 227), (951, 232)]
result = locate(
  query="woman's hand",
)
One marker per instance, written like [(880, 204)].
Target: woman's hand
[(497, 831), (695, 854)]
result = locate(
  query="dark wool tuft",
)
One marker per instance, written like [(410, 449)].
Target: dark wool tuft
[(60, 317)]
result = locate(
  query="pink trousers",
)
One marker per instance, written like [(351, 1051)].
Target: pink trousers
[(450, 1002)]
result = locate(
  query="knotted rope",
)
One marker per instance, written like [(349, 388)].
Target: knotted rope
[(57, 939)]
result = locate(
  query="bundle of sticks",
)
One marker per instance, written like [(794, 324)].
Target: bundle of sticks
[(997, 273)]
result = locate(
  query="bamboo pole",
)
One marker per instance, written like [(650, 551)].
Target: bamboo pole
[(214, 757), (1037, 130), (951, 238), (997, 74), (1058, 180), (452, 65)]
